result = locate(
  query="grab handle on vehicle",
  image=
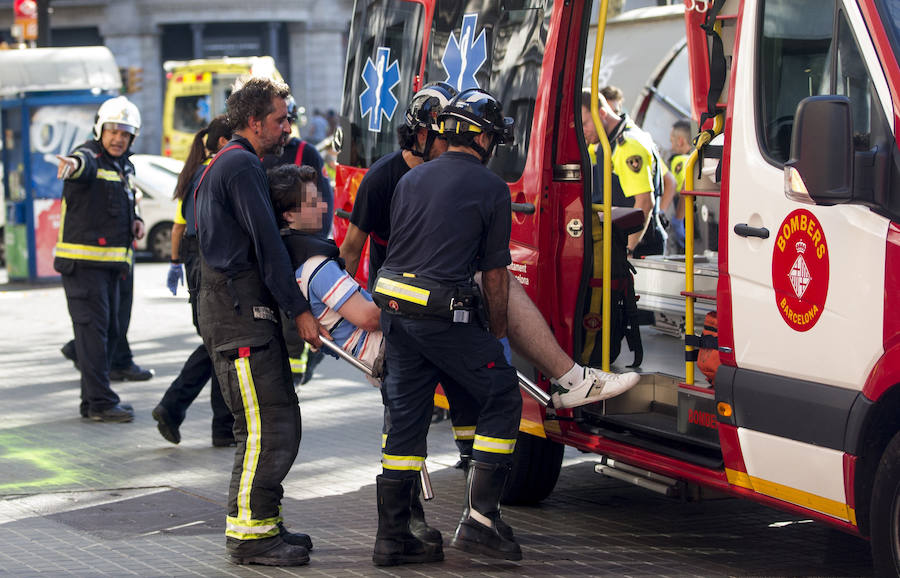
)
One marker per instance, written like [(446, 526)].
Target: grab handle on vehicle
[(745, 230), (342, 213), (527, 208)]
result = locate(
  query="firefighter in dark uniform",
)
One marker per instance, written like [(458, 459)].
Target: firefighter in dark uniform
[(245, 276), (299, 152), (93, 253), (450, 218)]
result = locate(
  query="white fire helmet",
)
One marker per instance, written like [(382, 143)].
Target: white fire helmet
[(118, 111)]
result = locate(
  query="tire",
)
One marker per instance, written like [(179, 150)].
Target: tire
[(536, 466), (885, 512), (159, 241)]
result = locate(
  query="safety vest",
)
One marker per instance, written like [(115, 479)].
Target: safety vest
[(97, 212)]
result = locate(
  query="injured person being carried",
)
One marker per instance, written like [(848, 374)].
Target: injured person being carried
[(354, 320)]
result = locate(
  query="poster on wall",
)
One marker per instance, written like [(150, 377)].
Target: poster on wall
[(46, 231), (56, 130)]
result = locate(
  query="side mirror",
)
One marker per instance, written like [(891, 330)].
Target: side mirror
[(820, 170)]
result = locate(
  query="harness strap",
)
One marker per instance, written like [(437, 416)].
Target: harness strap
[(298, 159)]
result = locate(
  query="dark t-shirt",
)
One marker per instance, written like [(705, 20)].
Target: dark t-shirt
[(237, 228), (450, 217), (372, 208)]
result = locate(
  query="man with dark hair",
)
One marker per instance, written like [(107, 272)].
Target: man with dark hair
[(246, 276), (615, 97), (640, 177), (680, 139)]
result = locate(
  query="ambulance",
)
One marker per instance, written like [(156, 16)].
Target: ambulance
[(196, 91), (801, 99)]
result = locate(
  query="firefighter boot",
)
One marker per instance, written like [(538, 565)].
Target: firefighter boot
[(394, 543), (479, 529), (417, 524), (294, 538), (583, 385)]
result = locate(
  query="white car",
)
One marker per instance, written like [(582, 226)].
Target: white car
[(156, 177)]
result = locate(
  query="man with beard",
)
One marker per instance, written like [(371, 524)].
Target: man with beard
[(246, 275)]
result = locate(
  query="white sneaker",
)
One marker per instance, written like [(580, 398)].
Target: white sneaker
[(596, 386)]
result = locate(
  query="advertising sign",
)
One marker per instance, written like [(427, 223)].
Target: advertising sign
[(26, 19)]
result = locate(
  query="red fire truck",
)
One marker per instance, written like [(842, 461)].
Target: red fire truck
[(803, 268)]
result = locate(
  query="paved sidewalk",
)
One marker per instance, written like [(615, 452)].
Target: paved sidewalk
[(79, 498)]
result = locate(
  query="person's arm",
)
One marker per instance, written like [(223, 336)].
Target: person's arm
[(644, 202), (495, 284), (177, 234), (352, 247), (361, 312)]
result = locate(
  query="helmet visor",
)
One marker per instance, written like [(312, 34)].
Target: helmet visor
[(120, 126)]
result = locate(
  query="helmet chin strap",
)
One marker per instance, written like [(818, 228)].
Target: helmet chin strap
[(485, 154), (429, 140)]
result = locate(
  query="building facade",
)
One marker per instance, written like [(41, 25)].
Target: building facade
[(307, 39)]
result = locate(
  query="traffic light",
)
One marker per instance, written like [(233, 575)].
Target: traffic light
[(132, 79)]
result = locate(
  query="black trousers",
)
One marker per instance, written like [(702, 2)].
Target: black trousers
[(198, 369), (469, 363), (92, 295)]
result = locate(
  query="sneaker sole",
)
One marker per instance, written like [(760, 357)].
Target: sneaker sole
[(264, 561)]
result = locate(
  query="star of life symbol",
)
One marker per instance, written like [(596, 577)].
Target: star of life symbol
[(378, 99), (799, 275), (463, 58)]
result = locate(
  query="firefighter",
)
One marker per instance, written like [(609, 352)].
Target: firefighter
[(245, 276), (420, 141), (299, 152), (169, 413), (450, 217), (93, 253), (640, 177)]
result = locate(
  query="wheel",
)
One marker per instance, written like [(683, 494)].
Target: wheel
[(159, 241), (885, 512), (535, 469)]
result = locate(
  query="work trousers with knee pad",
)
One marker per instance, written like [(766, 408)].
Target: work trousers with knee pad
[(239, 325), (463, 357), (92, 295)]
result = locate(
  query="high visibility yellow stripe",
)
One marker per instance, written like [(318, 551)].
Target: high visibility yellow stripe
[(792, 495), (402, 291), (93, 253), (252, 529), (298, 365), (62, 221), (494, 445), (383, 440), (254, 436), (106, 175), (466, 432), (390, 462)]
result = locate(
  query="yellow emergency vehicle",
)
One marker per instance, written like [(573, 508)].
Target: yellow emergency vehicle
[(196, 92)]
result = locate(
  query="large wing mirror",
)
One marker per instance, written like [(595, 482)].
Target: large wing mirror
[(820, 170)]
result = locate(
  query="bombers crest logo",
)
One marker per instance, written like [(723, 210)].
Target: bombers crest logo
[(800, 270)]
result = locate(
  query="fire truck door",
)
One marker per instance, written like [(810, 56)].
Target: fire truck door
[(806, 281)]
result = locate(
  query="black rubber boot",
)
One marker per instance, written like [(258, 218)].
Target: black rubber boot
[(478, 531), (294, 538), (394, 543), (417, 524), (283, 554)]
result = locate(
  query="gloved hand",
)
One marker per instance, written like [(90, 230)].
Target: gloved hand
[(678, 228), (176, 274), (507, 352)]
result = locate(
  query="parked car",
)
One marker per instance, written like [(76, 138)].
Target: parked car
[(155, 177)]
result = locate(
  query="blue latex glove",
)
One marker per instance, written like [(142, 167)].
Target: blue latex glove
[(507, 353), (175, 275), (678, 227)]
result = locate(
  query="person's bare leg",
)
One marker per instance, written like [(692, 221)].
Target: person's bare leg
[(530, 336)]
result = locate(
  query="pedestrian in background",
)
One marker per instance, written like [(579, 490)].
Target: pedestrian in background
[(170, 412), (94, 251)]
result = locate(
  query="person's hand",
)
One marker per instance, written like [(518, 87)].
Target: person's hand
[(67, 166), (507, 352), (310, 329), (175, 275), (138, 229)]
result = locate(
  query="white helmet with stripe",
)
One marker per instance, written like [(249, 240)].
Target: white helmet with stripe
[(118, 111)]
